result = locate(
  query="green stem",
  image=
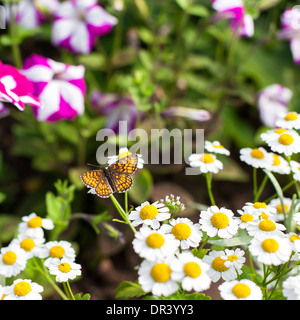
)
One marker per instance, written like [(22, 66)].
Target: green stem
[(70, 290), (14, 39), (261, 188), (126, 202), (254, 182), (209, 187)]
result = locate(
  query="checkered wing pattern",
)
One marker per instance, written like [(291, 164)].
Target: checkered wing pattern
[(96, 179)]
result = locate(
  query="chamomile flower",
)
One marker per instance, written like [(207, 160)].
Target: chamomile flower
[(257, 157), (235, 258), (278, 164), (149, 214), (64, 269), (58, 250), (219, 222), (154, 244), (207, 162), (155, 277), (265, 227), (245, 218), (124, 152), (272, 135), (289, 120), (291, 288), (270, 249), (23, 290), (13, 260), (33, 225), (279, 215), (294, 241), (216, 147), (287, 143), (184, 230), (295, 166), (261, 209), (190, 271), (240, 290), (216, 259), (32, 246)]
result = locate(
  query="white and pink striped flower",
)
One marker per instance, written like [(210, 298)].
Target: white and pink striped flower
[(290, 22), (16, 88), (78, 23), (59, 86), (234, 11)]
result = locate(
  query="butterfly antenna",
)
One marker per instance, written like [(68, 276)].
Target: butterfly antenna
[(93, 165)]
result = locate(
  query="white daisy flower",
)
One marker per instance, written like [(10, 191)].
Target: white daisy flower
[(296, 218), (219, 222), (185, 230), (272, 135), (149, 214), (154, 244), (270, 249), (287, 143), (265, 227), (294, 241), (235, 258), (295, 166), (64, 269), (124, 152), (23, 290), (291, 288), (257, 157), (261, 209), (206, 162), (216, 147), (240, 290), (279, 215), (216, 260), (190, 271), (155, 277), (289, 120), (58, 250), (245, 218), (33, 225), (13, 260), (279, 164), (32, 246)]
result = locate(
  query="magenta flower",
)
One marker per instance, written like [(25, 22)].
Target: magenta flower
[(16, 88), (3, 111), (290, 22), (78, 23), (272, 101), (59, 86), (234, 11), (116, 108)]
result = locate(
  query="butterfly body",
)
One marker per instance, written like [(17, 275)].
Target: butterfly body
[(114, 178)]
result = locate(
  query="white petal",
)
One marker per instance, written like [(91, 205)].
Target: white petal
[(73, 96), (80, 39), (38, 73), (98, 16), (50, 98), (62, 29)]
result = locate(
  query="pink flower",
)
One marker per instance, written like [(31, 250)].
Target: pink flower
[(290, 22), (272, 101), (16, 88), (3, 111), (234, 11), (59, 86), (78, 23)]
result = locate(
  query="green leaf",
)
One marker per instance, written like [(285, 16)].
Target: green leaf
[(242, 239), (128, 289), (198, 10), (80, 296), (188, 296), (142, 186), (199, 253)]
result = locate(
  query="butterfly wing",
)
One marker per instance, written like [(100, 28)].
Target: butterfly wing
[(122, 181), (97, 180)]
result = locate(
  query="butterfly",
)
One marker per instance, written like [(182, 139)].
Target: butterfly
[(114, 178)]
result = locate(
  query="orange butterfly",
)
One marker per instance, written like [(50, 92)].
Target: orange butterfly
[(114, 178)]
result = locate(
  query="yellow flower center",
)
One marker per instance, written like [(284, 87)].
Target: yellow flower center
[(264, 215), (27, 244), (232, 257), (291, 116), (192, 269), (280, 130), (57, 252), (276, 160), (270, 245), (260, 205), (155, 240), (280, 209), (181, 231), (218, 146), (64, 267), (220, 220), (9, 257), (258, 154), (161, 272), (35, 222), (218, 264), (246, 217), (148, 212), (294, 237), (123, 155), (207, 158), (286, 139), (22, 288), (241, 290), (267, 225)]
